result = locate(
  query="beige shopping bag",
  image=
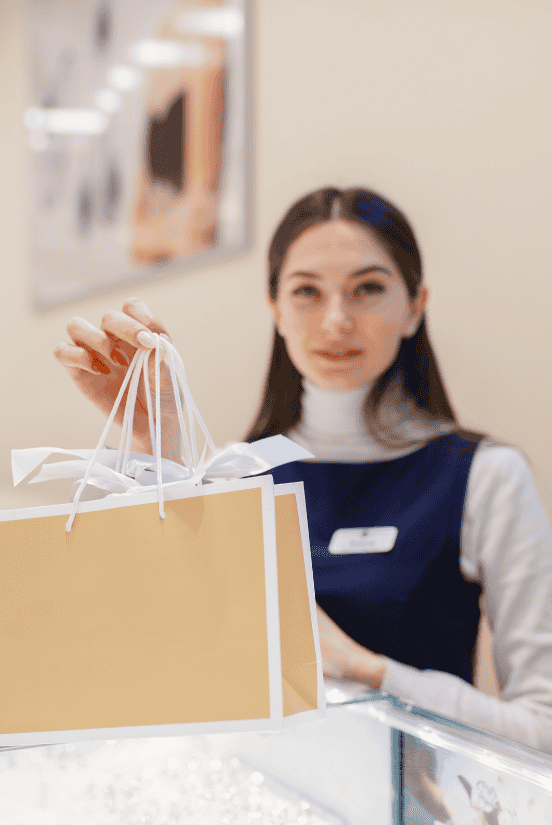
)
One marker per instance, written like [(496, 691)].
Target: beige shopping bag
[(302, 682), (130, 625), (160, 611)]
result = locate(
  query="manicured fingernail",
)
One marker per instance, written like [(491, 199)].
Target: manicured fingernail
[(101, 368), (146, 339), (120, 357)]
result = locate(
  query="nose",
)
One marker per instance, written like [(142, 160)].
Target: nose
[(337, 318)]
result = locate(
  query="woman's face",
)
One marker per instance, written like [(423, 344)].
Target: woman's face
[(342, 306)]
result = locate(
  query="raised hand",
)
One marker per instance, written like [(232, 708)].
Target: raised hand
[(97, 360)]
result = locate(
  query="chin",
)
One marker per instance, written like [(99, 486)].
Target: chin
[(337, 384)]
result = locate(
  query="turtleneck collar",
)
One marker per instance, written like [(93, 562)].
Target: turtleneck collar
[(333, 427), (331, 413)]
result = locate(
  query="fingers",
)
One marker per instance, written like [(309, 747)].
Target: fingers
[(73, 357), (124, 331), (141, 312), (94, 340), (100, 350)]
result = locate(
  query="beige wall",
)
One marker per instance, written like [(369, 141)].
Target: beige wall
[(443, 107)]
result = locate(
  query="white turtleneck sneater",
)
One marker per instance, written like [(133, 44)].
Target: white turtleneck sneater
[(332, 424)]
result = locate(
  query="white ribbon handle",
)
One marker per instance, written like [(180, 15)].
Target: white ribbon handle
[(121, 476), (101, 442), (128, 418), (178, 375)]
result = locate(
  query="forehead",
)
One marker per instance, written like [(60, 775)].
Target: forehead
[(337, 244)]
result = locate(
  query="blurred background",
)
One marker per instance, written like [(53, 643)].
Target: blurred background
[(443, 107), (137, 130)]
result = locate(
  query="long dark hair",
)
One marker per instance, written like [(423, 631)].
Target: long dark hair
[(415, 370)]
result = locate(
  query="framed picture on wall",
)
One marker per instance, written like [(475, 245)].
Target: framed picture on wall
[(138, 141)]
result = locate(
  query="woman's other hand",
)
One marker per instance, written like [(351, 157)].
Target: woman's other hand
[(343, 658), (97, 360)]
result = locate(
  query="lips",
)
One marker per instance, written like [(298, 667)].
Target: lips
[(339, 355)]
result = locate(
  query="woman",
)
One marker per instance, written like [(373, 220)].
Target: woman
[(353, 378)]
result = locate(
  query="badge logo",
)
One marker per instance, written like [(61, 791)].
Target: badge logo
[(363, 540)]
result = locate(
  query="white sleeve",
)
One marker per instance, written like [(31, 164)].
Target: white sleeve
[(506, 544)]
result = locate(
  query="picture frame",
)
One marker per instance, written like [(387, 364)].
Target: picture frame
[(138, 141)]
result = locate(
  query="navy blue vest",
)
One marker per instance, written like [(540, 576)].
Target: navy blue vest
[(412, 603)]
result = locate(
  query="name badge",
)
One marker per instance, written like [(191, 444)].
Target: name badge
[(363, 540)]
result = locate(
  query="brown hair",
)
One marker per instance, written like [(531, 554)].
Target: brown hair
[(411, 390)]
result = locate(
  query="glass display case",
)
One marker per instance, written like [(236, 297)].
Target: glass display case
[(374, 759)]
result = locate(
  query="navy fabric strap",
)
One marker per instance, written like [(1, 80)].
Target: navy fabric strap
[(412, 602)]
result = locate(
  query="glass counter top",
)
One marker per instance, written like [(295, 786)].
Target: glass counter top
[(365, 763)]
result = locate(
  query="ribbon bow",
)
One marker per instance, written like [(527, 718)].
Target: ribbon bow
[(237, 460)]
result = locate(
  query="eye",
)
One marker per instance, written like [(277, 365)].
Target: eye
[(306, 291), (369, 288)]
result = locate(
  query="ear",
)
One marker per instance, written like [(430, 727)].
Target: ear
[(418, 306), (274, 308)]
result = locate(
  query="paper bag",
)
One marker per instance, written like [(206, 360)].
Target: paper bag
[(302, 682), (136, 625)]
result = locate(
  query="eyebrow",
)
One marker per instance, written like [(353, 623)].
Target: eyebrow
[(358, 274)]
